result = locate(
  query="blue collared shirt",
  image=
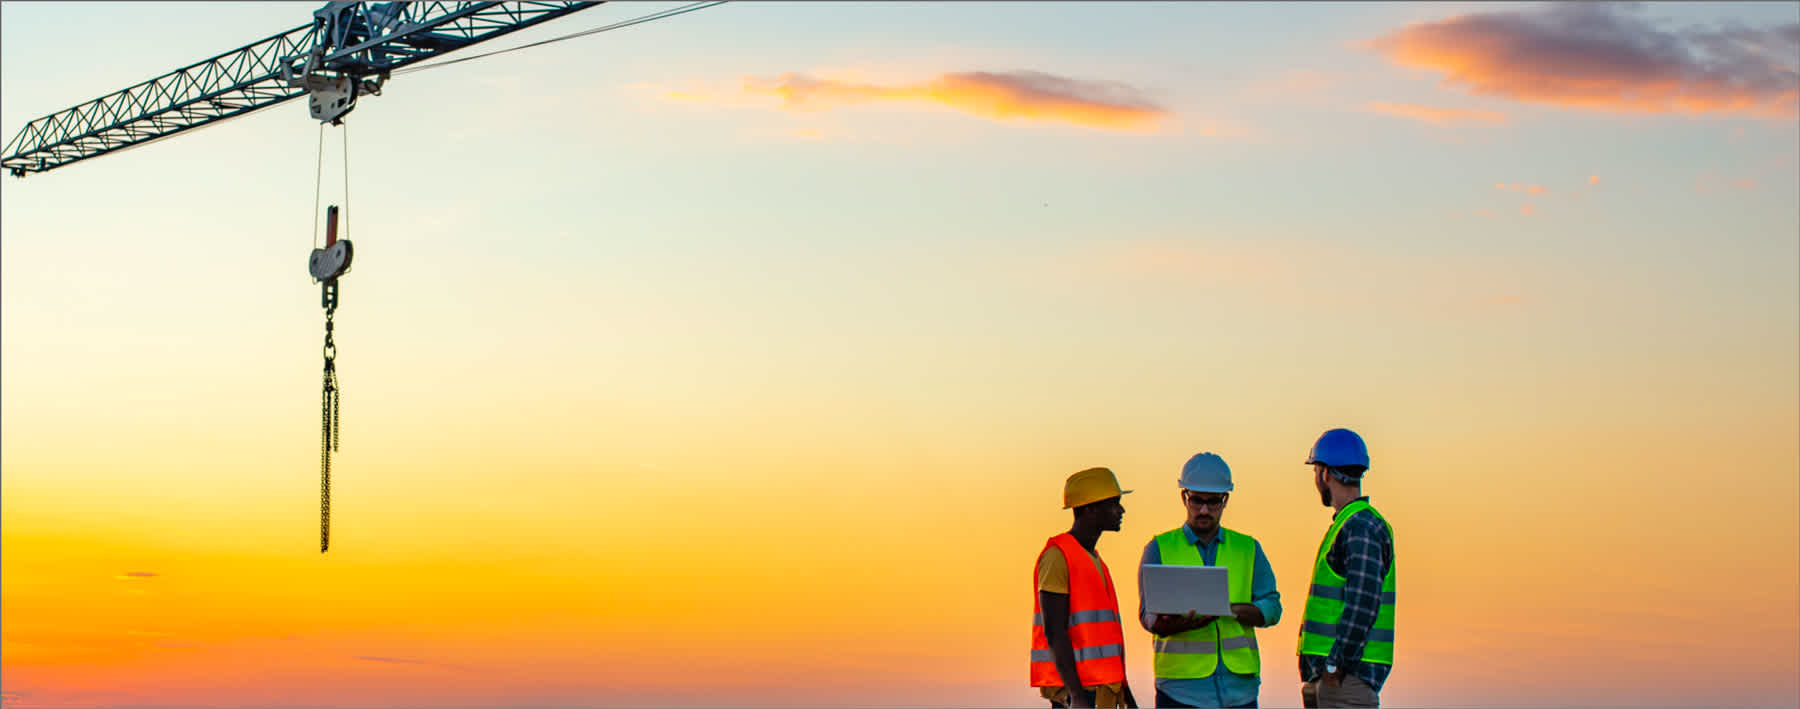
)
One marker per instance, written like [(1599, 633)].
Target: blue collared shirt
[(1224, 688)]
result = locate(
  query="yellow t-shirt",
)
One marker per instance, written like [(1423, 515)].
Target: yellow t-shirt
[(1053, 576)]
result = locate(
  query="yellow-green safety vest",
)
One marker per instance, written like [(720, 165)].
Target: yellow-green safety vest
[(1325, 602), (1195, 654)]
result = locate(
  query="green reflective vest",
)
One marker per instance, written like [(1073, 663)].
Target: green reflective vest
[(1325, 602), (1196, 653)]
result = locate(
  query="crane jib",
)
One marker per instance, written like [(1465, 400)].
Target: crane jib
[(349, 48)]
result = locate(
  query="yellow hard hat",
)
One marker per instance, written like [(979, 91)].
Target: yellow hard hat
[(1091, 485)]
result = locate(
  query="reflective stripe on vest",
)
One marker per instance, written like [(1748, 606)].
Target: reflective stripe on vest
[(1094, 630), (1325, 600), (1082, 617), (1081, 655), (1196, 653)]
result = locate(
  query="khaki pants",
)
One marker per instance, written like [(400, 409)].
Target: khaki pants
[(1104, 698), (1353, 692)]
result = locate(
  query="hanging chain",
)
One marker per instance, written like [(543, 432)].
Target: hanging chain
[(328, 419), (326, 272)]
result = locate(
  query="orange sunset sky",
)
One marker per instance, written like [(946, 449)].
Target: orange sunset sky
[(738, 358)]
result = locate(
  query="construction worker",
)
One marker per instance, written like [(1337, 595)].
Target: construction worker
[(1208, 661), (1077, 643), (1347, 639)]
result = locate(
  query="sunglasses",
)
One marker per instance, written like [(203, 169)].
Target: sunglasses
[(1204, 500)]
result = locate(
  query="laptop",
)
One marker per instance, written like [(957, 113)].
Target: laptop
[(1176, 589)]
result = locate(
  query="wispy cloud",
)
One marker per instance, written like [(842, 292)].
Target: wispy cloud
[(137, 575), (1593, 179), (1527, 210), (391, 660), (1433, 115), (406, 661), (1515, 187), (998, 96), (1711, 182), (73, 696), (1604, 57)]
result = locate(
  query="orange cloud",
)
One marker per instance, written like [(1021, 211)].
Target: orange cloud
[(1593, 179), (1602, 57), (405, 661), (1709, 182), (1528, 210), (1433, 115), (1528, 189), (1485, 213), (999, 96)]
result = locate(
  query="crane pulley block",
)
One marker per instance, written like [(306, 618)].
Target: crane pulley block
[(330, 95), (331, 91), (328, 98), (332, 261)]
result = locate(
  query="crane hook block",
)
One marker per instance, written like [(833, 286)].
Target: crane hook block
[(333, 260)]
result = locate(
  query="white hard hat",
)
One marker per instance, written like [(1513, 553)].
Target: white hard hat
[(1206, 472)]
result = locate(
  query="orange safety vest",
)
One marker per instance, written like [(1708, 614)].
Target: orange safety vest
[(1094, 630)]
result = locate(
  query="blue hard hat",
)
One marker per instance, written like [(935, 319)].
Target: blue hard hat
[(1340, 448), (1206, 472)]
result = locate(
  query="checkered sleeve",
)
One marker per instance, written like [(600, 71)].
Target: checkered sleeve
[(1362, 547)]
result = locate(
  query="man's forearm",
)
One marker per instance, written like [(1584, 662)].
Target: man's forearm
[(1352, 633), (1364, 567), (1271, 609), (1347, 648), (1354, 626), (1064, 653)]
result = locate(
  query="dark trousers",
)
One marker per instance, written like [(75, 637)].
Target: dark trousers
[(1164, 700), (1353, 692)]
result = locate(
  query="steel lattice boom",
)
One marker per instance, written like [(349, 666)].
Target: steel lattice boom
[(350, 48)]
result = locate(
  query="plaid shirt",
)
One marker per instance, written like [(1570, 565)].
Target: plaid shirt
[(1362, 553)]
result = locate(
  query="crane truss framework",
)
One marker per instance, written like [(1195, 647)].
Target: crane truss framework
[(347, 40)]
